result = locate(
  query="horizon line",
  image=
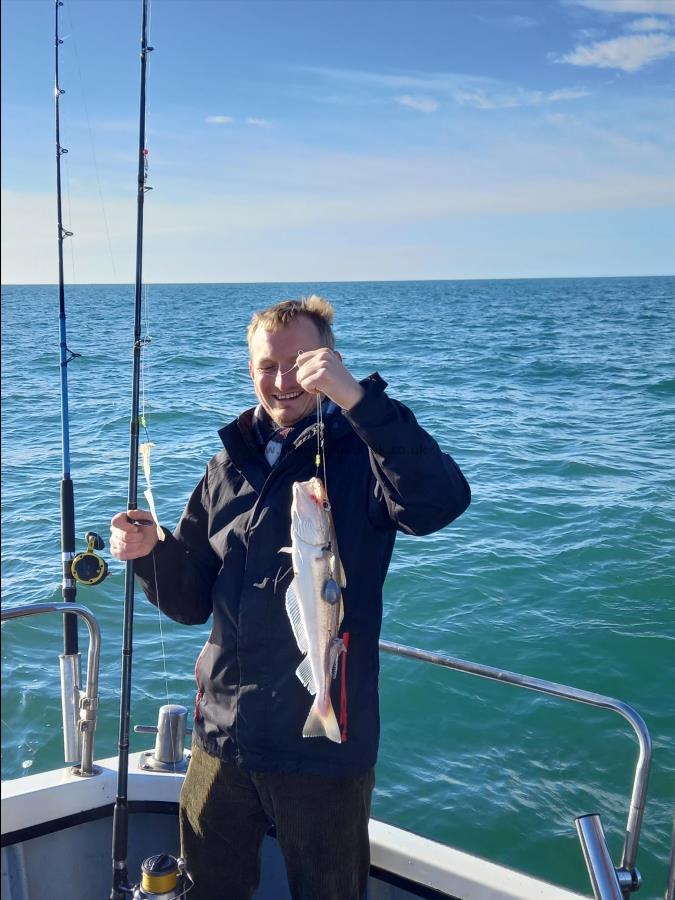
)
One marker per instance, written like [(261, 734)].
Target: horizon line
[(339, 281)]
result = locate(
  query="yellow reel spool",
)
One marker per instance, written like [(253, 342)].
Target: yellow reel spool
[(159, 874)]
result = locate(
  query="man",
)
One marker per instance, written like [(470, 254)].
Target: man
[(251, 768)]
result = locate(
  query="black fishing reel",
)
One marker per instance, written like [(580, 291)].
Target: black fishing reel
[(88, 567), (163, 877)]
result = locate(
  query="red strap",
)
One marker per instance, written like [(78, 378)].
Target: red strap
[(197, 714), (343, 688)]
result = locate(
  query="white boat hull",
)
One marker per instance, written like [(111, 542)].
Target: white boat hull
[(57, 833)]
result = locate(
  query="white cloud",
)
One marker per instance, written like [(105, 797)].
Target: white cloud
[(440, 81), (259, 123), (565, 94), (589, 34), (482, 99), (466, 90), (628, 53), (650, 23), (523, 21), (515, 21), (634, 7), (219, 120), (423, 104)]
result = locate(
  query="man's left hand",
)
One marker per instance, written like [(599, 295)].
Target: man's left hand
[(323, 372)]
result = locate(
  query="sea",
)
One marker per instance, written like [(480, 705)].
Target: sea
[(557, 399)]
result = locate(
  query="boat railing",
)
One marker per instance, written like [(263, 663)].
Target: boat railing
[(87, 701), (609, 882)]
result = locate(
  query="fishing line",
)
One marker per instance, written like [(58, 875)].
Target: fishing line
[(320, 458), (64, 155), (145, 364), (70, 218), (281, 374), (91, 141), (161, 638), (148, 72), (317, 458), (145, 451)]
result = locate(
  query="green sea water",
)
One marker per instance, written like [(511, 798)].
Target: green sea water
[(556, 397)]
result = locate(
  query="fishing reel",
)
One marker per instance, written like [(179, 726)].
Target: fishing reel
[(88, 567), (163, 877)]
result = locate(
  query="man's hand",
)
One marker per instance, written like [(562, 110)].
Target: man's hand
[(322, 372), (130, 541)]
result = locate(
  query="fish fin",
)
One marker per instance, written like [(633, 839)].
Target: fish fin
[(338, 568), (285, 549), (295, 616), (306, 676), (340, 572), (336, 648), (318, 725), (336, 565)]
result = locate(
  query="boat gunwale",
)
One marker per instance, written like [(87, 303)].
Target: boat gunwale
[(425, 868)]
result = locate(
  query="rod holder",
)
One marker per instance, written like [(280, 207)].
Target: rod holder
[(87, 704), (602, 873), (71, 680), (169, 753)]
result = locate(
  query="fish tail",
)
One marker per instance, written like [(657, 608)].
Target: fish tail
[(322, 724)]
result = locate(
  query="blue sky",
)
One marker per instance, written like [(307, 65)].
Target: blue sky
[(317, 140)]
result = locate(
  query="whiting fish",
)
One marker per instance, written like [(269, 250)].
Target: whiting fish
[(314, 601)]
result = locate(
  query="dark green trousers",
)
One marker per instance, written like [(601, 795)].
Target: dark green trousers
[(321, 826)]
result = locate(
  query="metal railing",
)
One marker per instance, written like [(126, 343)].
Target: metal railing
[(609, 882), (88, 701), (670, 886), (626, 876)]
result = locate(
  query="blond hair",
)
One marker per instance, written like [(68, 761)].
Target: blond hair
[(281, 314)]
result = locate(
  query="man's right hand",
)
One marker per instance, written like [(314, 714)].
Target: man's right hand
[(130, 541)]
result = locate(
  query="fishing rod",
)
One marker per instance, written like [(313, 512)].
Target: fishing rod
[(162, 875), (121, 888), (87, 567)]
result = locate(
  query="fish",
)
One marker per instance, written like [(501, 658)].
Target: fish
[(314, 602)]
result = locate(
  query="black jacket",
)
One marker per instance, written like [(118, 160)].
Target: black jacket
[(384, 473)]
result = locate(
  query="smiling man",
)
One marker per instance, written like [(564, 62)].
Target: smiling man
[(251, 767), (292, 358)]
